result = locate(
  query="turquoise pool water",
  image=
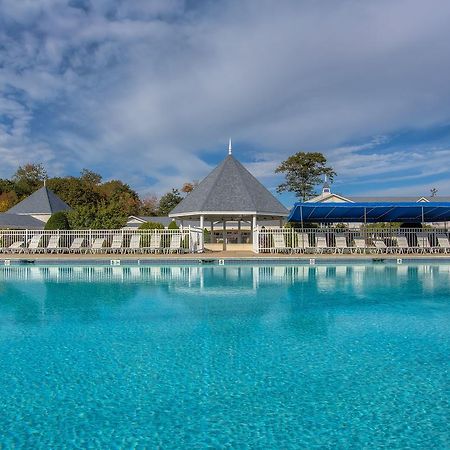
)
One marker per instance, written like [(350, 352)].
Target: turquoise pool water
[(211, 357)]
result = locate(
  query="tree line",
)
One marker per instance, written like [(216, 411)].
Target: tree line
[(108, 204), (95, 203)]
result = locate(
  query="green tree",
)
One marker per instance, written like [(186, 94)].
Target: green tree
[(173, 226), (82, 217), (303, 172), (168, 202), (57, 221), (89, 177), (29, 178), (151, 226)]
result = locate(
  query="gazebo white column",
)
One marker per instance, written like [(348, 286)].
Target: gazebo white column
[(202, 222), (239, 232), (224, 235)]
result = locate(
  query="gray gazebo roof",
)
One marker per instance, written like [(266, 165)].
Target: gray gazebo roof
[(230, 189), (42, 201), (20, 221)]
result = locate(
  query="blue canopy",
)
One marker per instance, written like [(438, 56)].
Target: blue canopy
[(406, 212)]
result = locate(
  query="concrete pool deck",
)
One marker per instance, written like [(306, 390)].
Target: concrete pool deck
[(216, 256)]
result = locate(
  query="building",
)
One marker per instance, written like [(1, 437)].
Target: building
[(34, 211), (230, 195), (327, 196)]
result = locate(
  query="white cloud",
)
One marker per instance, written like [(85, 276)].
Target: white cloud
[(143, 89)]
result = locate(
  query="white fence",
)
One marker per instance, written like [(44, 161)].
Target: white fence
[(363, 240), (184, 240)]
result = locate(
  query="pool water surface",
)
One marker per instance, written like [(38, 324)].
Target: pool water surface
[(285, 357)]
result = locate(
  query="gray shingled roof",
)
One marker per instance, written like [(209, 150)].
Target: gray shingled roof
[(42, 201), (20, 221), (230, 187)]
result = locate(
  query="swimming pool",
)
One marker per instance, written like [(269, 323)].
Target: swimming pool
[(327, 356)]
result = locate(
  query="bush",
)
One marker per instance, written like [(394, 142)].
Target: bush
[(173, 226), (58, 221), (151, 226)]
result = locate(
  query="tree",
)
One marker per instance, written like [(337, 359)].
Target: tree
[(149, 206), (57, 221), (433, 192), (90, 177), (189, 187), (173, 226), (303, 171), (29, 178), (151, 226), (169, 201), (7, 200)]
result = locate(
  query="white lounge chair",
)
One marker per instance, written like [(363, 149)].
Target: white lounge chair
[(98, 245), (341, 244), (77, 245), (402, 245), (117, 244), (380, 246), (443, 244), (279, 245), (301, 241), (175, 244), (53, 244), (33, 246), (155, 243), (16, 247), (423, 243), (135, 243), (321, 244), (360, 245)]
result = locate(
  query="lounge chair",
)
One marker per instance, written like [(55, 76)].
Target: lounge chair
[(360, 245), (423, 243), (380, 246), (321, 244), (33, 246), (77, 245), (16, 247), (301, 241), (402, 245), (443, 244), (175, 244), (98, 245), (135, 243), (155, 243), (279, 245), (53, 244), (341, 244), (117, 244)]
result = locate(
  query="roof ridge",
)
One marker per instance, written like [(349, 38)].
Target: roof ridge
[(219, 173)]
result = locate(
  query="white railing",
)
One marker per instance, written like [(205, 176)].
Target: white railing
[(362, 240), (184, 240)]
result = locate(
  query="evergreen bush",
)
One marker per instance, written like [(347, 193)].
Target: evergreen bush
[(57, 221)]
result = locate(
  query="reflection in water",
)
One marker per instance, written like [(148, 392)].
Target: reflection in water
[(33, 293)]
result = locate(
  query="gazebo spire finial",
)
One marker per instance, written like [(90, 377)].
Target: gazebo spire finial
[(230, 148)]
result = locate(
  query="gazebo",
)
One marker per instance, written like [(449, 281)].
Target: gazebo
[(230, 193)]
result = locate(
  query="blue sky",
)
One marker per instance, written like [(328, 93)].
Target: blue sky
[(149, 91)]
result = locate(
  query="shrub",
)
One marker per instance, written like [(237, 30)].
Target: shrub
[(151, 226), (58, 221), (173, 226)]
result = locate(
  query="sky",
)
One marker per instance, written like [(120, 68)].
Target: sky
[(150, 91)]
